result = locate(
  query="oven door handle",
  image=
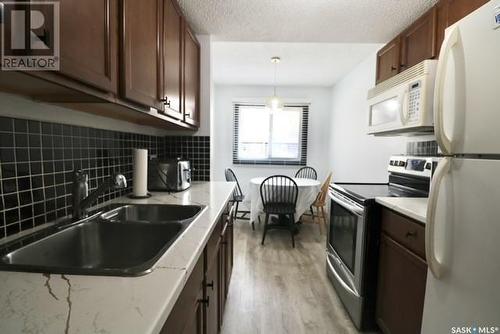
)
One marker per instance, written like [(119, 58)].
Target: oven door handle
[(339, 279), (348, 206)]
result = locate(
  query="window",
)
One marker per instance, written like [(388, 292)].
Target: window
[(265, 137)]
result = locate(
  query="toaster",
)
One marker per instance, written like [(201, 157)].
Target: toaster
[(169, 175)]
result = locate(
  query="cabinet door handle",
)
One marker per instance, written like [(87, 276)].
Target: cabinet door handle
[(394, 68), (210, 285), (411, 234), (205, 301), (166, 101)]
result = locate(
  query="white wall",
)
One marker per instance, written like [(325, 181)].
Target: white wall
[(356, 156), (222, 131)]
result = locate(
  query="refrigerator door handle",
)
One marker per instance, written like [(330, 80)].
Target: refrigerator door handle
[(435, 266), (451, 40)]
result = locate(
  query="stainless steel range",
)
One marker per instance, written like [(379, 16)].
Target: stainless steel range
[(352, 243)]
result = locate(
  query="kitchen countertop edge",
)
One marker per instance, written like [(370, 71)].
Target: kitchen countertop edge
[(41, 303), (415, 208)]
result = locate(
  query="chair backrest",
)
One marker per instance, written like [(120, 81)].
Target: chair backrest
[(231, 177), (321, 198), (279, 189), (307, 173)]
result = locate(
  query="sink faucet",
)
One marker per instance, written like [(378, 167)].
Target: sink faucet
[(82, 200)]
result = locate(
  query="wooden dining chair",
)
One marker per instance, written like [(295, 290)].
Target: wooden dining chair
[(320, 203), (279, 197), (307, 173), (238, 196)]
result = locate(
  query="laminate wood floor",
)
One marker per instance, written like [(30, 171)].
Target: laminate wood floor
[(277, 289)]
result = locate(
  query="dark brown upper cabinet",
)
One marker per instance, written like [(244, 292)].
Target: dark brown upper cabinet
[(140, 52), (388, 60), (191, 78), (458, 9), (441, 23), (418, 42), (423, 38), (89, 42), (172, 59)]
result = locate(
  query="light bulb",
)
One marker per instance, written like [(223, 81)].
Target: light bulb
[(274, 103)]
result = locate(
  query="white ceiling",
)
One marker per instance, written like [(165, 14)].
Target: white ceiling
[(333, 21), (302, 64)]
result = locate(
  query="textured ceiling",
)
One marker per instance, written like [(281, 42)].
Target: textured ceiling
[(335, 21), (302, 64)]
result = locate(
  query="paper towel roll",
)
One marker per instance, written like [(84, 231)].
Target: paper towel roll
[(140, 177)]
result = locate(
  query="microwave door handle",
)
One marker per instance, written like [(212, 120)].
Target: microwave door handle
[(450, 41), (435, 266), (403, 111)]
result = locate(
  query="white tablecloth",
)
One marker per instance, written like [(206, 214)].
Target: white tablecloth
[(308, 190)]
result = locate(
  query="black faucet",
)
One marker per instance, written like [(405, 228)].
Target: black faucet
[(82, 200)]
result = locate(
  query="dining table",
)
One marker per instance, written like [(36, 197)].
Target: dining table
[(308, 189)]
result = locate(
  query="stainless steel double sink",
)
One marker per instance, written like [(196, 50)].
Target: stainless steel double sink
[(118, 240)]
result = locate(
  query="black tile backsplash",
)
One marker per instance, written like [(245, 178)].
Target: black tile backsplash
[(196, 149), (37, 160)]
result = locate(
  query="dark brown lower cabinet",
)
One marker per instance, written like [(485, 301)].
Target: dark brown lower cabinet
[(187, 315), (200, 306), (227, 250), (401, 285), (222, 282), (212, 295), (195, 324)]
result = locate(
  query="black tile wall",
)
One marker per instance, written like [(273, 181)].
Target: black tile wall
[(196, 149), (37, 160)]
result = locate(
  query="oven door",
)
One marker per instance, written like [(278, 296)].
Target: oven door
[(346, 242)]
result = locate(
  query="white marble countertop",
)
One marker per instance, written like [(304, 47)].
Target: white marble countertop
[(38, 303), (415, 208)]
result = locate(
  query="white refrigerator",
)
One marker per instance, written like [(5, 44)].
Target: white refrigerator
[(463, 215)]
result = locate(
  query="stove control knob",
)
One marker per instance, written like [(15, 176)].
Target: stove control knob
[(402, 164), (391, 163), (428, 166)]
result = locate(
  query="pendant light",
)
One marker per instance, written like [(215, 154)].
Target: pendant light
[(274, 103)]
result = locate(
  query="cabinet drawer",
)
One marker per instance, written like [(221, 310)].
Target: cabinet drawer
[(405, 231), (213, 243)]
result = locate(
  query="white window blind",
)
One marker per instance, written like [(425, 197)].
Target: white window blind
[(265, 137)]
